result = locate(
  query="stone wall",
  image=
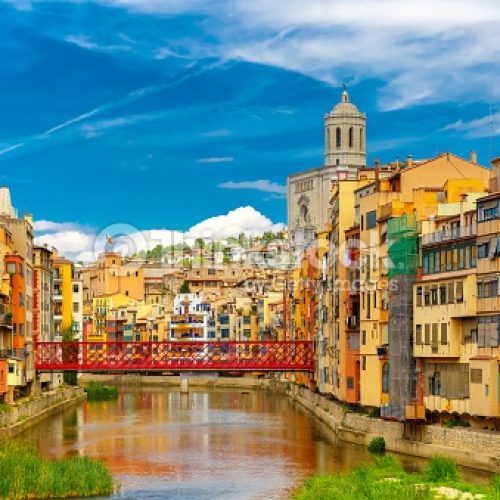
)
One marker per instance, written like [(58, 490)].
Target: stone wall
[(468, 447), (31, 410)]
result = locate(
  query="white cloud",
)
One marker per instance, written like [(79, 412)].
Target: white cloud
[(219, 132), (241, 220), (21, 5), (49, 226), (260, 185), (85, 43), (217, 159), (427, 50), (480, 127), (8, 149), (84, 244)]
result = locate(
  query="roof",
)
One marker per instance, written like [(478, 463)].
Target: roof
[(345, 107)]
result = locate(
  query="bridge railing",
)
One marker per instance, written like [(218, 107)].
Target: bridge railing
[(175, 356)]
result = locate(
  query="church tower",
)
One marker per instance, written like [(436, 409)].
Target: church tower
[(345, 135)]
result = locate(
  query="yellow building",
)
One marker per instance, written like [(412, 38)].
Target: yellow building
[(247, 327), (389, 212), (445, 309), (62, 295), (101, 306), (112, 274)]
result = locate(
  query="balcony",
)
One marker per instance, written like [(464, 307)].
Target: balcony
[(13, 353), (6, 320), (455, 233)]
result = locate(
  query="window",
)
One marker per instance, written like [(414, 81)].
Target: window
[(483, 250), (338, 138), (385, 378), (363, 362), (419, 296), (444, 334), (459, 291), (442, 294), (451, 292), (427, 296), (76, 307), (427, 334), (418, 334), (76, 288), (487, 211), (434, 338), (435, 384), (363, 337), (350, 380), (371, 219), (476, 376), (434, 295), (351, 137)]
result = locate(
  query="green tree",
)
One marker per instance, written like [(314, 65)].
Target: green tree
[(226, 255), (184, 288)]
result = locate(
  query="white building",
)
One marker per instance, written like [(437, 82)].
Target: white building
[(190, 318)]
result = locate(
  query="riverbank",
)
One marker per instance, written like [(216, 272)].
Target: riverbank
[(467, 447), (24, 413), (25, 474), (386, 478)]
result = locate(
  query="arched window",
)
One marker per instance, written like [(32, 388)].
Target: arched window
[(338, 137), (329, 140), (386, 382), (361, 139), (351, 137)]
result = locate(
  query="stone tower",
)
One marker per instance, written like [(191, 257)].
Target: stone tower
[(345, 134)]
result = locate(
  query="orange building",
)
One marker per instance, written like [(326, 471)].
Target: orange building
[(14, 267)]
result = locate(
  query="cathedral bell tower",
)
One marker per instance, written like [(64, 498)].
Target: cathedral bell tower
[(345, 134)]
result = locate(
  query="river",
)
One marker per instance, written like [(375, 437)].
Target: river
[(208, 444)]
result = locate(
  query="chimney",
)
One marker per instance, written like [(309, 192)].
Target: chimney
[(409, 161), (377, 175), (473, 157)]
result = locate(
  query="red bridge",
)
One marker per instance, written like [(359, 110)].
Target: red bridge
[(175, 356)]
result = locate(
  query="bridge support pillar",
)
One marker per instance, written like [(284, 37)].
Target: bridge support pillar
[(184, 385)]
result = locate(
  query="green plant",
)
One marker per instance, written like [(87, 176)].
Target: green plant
[(184, 288), (441, 469), (27, 475), (96, 391), (456, 421), (377, 445), (495, 485), (4, 408), (374, 413)]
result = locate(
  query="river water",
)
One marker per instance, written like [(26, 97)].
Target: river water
[(208, 444)]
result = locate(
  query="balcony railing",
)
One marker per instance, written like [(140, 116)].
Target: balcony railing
[(449, 234), (13, 353)]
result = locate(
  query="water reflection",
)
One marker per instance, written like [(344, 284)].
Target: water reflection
[(207, 444)]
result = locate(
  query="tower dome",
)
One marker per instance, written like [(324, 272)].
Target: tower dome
[(345, 134)]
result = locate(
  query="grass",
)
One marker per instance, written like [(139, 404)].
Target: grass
[(386, 478), (96, 391), (4, 408), (27, 475)]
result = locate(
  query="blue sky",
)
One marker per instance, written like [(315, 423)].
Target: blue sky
[(162, 114)]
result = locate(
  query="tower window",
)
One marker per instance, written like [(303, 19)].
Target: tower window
[(361, 139), (351, 137), (338, 137)]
